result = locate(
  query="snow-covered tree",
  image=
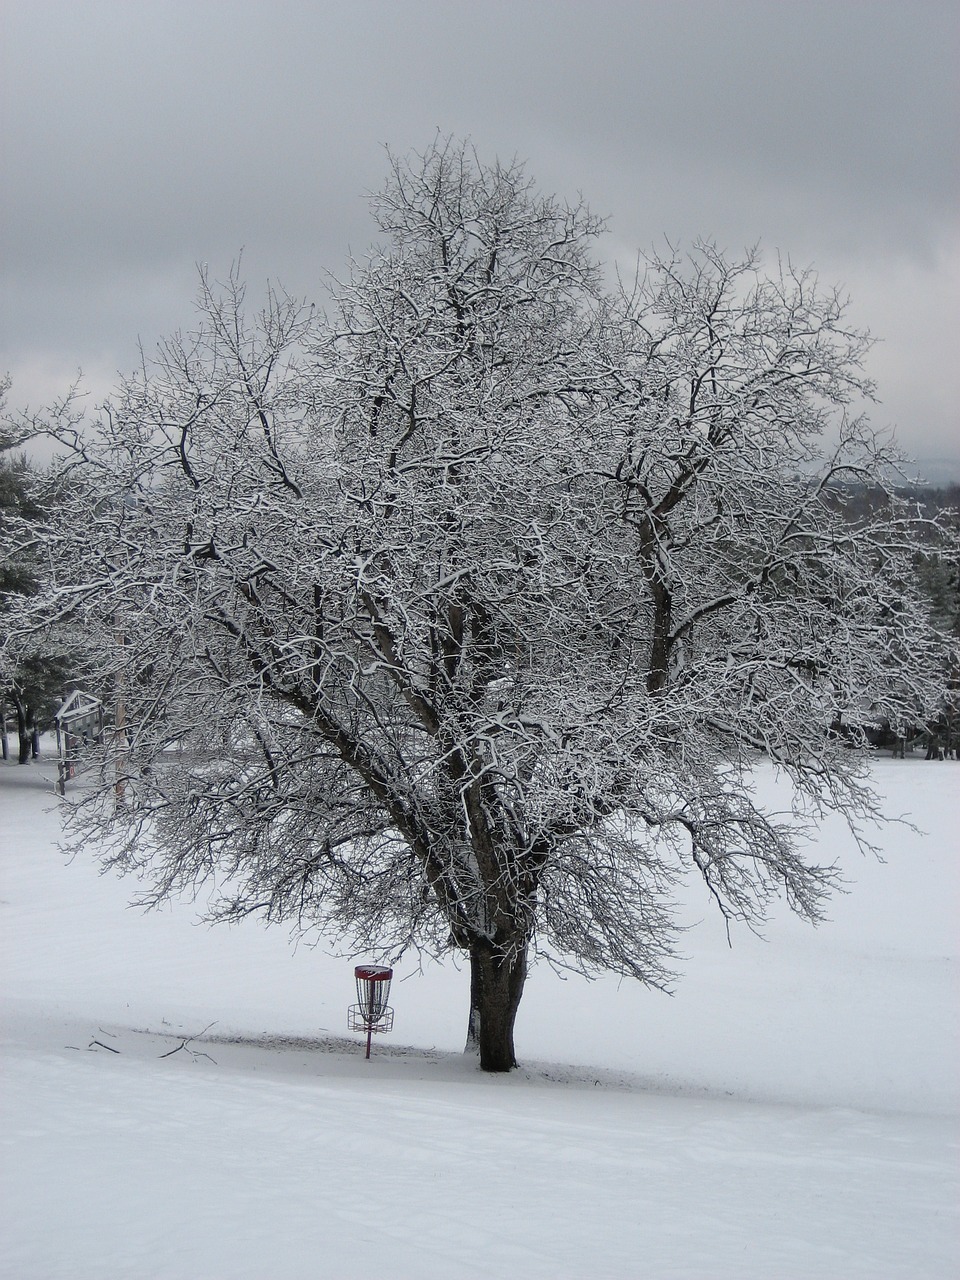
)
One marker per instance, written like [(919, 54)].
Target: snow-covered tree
[(31, 682), (459, 619)]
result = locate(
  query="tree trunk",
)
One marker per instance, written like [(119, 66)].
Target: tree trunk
[(496, 985), (24, 732)]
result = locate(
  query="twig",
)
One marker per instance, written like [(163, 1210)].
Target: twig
[(196, 1053)]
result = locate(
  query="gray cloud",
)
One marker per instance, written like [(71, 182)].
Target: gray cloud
[(139, 139)]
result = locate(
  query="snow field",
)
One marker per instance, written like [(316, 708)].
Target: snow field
[(790, 1113)]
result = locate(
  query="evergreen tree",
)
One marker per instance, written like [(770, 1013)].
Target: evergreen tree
[(31, 679)]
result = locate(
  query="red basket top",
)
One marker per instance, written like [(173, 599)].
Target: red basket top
[(373, 973)]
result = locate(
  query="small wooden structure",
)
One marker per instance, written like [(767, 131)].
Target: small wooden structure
[(79, 722)]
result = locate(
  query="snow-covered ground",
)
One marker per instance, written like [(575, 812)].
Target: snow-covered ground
[(791, 1113)]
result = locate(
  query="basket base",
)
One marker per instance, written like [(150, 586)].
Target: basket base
[(357, 1022)]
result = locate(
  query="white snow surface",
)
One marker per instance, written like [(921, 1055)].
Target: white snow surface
[(184, 1101)]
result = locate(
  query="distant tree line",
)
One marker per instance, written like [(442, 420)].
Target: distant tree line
[(936, 730), (31, 685), (31, 690)]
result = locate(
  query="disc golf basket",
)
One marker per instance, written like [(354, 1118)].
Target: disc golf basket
[(371, 1013)]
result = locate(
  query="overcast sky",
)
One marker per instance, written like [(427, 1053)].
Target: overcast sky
[(141, 137)]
